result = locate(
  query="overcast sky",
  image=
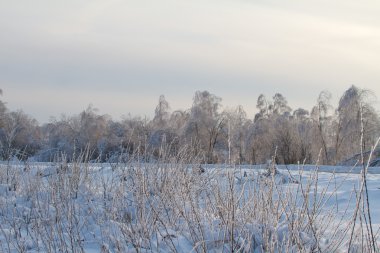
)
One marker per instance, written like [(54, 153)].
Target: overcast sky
[(120, 55)]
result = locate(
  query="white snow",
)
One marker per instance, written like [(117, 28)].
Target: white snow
[(168, 207)]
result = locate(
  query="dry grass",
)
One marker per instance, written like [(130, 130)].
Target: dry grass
[(173, 206)]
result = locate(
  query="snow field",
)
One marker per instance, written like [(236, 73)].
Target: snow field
[(136, 207)]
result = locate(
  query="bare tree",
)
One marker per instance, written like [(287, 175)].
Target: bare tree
[(237, 126), (354, 105), (161, 115), (20, 136), (205, 122), (264, 107), (3, 109), (280, 104), (322, 119)]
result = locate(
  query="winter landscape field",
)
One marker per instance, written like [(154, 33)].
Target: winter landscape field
[(177, 207), (189, 126)]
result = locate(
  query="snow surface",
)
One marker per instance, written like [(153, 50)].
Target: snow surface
[(46, 207)]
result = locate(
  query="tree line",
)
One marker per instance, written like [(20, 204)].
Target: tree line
[(324, 135)]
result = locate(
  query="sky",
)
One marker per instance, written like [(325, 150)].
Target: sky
[(57, 57)]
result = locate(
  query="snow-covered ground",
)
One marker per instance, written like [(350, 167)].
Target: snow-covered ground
[(179, 208)]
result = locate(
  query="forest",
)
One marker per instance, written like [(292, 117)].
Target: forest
[(206, 179), (326, 134)]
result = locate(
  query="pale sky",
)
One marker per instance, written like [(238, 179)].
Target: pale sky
[(121, 55)]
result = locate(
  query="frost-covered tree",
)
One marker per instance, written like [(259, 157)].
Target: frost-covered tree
[(264, 106), (267, 108), (300, 113), (321, 116), (260, 140), (203, 131), (19, 136), (271, 130), (3, 109), (164, 138), (93, 130), (76, 134), (137, 132), (356, 123), (280, 105), (59, 138), (205, 123), (161, 113), (236, 130), (178, 120), (160, 130)]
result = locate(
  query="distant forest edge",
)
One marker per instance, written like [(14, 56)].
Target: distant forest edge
[(203, 133)]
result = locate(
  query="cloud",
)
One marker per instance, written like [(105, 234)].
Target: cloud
[(148, 48)]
